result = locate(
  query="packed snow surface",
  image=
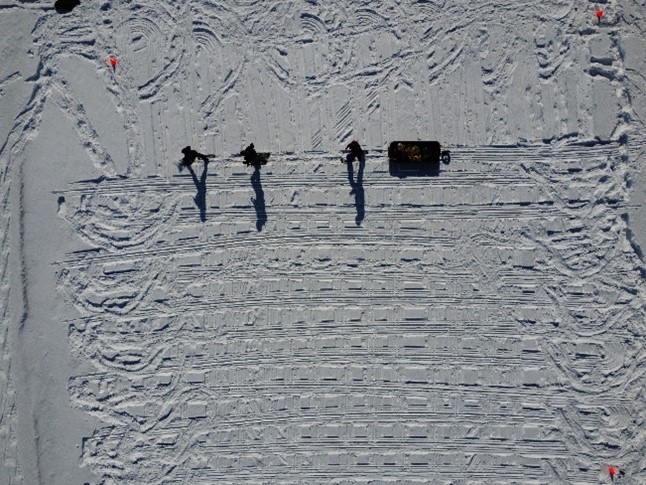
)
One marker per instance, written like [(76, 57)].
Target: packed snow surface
[(311, 321)]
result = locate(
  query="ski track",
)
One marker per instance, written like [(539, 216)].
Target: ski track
[(482, 326)]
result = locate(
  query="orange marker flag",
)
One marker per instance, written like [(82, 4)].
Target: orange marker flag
[(112, 61), (599, 14)]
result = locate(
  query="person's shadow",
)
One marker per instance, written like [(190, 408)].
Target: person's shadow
[(259, 199), (200, 185), (357, 186)]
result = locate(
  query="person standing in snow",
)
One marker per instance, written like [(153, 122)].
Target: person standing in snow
[(356, 153), (250, 155), (191, 155)]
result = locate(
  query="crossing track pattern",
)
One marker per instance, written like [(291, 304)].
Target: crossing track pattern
[(483, 326), (477, 326)]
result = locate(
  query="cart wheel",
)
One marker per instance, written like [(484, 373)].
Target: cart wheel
[(446, 157)]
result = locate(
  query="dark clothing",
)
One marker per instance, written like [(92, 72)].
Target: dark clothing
[(191, 155), (250, 155), (356, 153), (355, 149)]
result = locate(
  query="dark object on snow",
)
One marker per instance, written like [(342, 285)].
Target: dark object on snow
[(416, 158), (356, 153), (357, 184), (200, 185), (252, 157), (191, 155), (66, 6), (249, 154), (259, 199)]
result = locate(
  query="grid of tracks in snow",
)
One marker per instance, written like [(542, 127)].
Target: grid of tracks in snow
[(452, 334)]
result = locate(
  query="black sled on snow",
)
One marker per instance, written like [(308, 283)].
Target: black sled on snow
[(416, 158)]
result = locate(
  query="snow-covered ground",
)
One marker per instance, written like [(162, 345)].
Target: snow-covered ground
[(315, 322)]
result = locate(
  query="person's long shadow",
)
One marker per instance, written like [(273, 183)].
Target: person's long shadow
[(357, 186), (259, 199), (200, 185)]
